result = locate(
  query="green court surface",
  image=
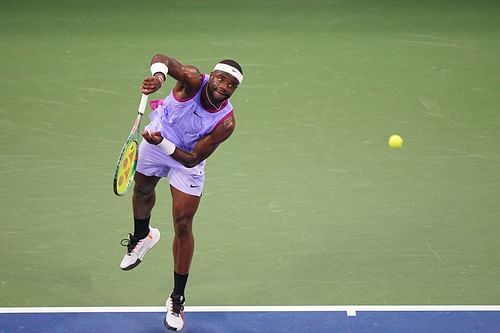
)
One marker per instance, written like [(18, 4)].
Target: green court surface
[(305, 204)]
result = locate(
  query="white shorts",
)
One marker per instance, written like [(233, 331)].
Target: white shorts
[(154, 162)]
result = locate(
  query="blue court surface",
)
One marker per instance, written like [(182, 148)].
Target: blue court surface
[(276, 319)]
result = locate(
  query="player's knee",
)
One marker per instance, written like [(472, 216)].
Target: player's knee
[(183, 227), (143, 192)]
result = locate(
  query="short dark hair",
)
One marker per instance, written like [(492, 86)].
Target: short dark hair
[(232, 63)]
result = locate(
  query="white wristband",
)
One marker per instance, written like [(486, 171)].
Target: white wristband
[(166, 146), (159, 67)]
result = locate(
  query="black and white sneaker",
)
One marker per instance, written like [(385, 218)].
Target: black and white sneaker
[(174, 320), (137, 248)]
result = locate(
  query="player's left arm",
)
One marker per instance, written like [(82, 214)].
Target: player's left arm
[(203, 148)]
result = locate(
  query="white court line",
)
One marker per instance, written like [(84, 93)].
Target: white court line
[(351, 310)]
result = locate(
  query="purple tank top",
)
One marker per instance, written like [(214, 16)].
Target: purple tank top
[(186, 122)]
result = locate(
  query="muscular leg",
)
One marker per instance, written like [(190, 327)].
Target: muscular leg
[(143, 201), (144, 196), (184, 207)]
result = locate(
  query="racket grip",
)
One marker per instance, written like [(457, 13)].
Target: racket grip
[(143, 104)]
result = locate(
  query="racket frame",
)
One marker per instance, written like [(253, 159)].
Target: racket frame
[(133, 136)]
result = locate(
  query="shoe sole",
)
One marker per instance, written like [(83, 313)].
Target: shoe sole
[(167, 326), (134, 265)]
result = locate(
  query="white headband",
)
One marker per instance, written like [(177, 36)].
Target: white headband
[(230, 70)]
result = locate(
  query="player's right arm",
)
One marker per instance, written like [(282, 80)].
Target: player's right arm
[(188, 77), (202, 149)]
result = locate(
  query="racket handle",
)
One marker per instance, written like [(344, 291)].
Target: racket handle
[(143, 104)]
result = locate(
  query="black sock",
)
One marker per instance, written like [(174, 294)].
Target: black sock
[(141, 227), (179, 284)]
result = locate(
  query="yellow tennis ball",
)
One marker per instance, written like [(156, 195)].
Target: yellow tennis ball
[(395, 141)]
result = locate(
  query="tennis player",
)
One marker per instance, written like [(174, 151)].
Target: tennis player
[(184, 130)]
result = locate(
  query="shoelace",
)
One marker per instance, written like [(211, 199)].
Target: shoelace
[(177, 305), (130, 243)]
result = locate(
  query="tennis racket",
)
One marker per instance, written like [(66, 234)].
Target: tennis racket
[(127, 162)]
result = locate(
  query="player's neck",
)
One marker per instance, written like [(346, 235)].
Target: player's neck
[(208, 103)]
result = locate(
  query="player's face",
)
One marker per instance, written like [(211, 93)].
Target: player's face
[(221, 85)]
